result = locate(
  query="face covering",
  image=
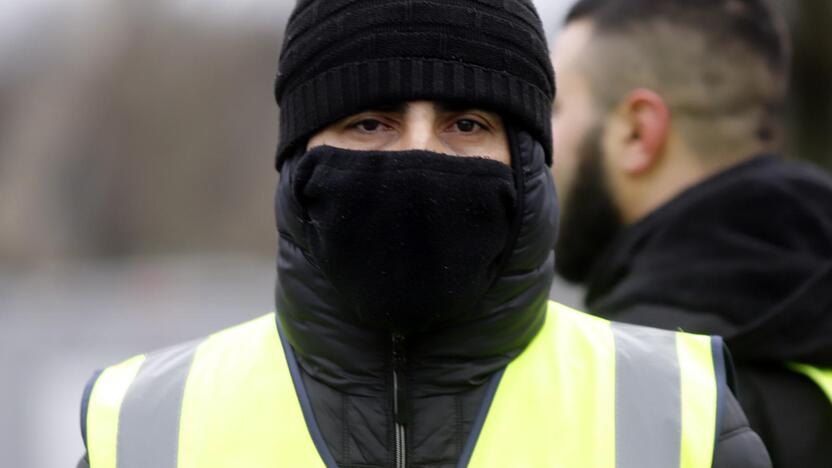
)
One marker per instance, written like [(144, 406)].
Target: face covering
[(408, 239)]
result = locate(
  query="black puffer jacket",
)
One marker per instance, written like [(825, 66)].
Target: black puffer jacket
[(348, 368), (746, 255)]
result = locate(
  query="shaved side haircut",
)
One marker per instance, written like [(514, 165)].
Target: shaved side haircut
[(720, 65)]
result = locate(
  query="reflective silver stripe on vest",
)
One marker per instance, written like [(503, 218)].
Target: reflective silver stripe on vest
[(148, 426), (648, 419)]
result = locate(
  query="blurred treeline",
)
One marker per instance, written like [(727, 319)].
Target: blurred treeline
[(138, 127), (148, 127)]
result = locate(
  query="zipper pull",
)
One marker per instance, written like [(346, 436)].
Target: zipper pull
[(400, 409)]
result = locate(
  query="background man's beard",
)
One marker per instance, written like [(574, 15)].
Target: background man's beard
[(589, 220)]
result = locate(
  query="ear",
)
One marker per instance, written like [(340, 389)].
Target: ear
[(647, 121)]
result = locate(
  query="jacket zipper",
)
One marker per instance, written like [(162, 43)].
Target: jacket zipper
[(399, 401)]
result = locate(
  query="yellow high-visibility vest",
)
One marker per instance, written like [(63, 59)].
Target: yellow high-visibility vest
[(585, 393)]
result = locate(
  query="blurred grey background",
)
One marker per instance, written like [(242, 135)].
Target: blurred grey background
[(136, 182)]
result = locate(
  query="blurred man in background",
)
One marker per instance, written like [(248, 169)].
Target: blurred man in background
[(678, 212)]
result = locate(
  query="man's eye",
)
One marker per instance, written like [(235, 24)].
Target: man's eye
[(467, 125), (368, 125)]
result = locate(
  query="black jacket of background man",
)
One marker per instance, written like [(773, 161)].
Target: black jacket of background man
[(746, 255)]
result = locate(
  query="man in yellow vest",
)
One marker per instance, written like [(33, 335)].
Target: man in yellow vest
[(678, 211), (417, 218)]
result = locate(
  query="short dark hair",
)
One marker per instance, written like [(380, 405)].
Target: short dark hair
[(711, 58), (752, 22)]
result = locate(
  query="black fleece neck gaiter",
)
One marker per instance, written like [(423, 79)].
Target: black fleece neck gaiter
[(408, 239)]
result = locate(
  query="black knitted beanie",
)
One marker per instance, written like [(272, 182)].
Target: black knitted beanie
[(341, 57)]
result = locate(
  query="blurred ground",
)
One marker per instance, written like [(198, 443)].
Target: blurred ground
[(136, 182)]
